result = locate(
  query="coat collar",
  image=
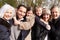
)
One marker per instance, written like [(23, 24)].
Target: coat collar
[(44, 21), (5, 23)]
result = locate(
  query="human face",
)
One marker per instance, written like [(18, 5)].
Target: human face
[(29, 13), (46, 17), (38, 11), (21, 12), (8, 14), (55, 13)]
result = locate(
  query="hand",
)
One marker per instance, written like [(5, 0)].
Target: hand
[(16, 22), (48, 27)]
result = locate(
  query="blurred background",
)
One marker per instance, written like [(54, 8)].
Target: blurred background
[(43, 3)]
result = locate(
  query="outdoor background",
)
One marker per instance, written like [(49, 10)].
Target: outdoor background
[(43, 3)]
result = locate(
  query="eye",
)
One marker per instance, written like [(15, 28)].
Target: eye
[(10, 12), (20, 10), (6, 12)]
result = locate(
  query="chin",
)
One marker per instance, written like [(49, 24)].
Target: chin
[(56, 17), (8, 18)]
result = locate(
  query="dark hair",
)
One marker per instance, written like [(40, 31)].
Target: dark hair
[(29, 8), (20, 6)]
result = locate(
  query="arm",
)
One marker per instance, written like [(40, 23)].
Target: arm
[(42, 22), (28, 24)]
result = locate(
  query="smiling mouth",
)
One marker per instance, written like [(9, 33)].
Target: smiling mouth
[(20, 14)]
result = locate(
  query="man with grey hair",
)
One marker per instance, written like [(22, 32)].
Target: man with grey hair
[(55, 24)]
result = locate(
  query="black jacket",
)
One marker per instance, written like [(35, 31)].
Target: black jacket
[(55, 31), (38, 30), (4, 30)]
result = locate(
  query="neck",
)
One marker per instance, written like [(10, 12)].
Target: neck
[(21, 19)]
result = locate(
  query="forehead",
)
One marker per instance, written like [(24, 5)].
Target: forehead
[(22, 8), (55, 9), (9, 10), (39, 8), (30, 11), (45, 14)]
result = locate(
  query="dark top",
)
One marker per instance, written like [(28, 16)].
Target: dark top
[(38, 30), (4, 30), (55, 31)]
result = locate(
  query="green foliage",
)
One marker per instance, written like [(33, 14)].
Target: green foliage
[(1, 3), (11, 2), (14, 3)]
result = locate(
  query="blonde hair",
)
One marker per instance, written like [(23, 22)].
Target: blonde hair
[(6, 7), (37, 7)]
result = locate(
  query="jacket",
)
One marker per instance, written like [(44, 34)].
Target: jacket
[(54, 33), (4, 30), (39, 30)]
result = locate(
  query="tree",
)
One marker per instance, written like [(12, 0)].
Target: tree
[(11, 2)]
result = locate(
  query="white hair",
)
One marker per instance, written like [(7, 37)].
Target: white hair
[(5, 8)]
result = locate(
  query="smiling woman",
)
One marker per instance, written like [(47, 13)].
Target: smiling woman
[(6, 13)]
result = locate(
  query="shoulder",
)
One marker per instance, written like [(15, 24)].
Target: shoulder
[(4, 23), (3, 28)]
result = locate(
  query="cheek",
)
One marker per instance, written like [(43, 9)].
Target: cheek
[(58, 14), (5, 15), (23, 14), (18, 12), (11, 15)]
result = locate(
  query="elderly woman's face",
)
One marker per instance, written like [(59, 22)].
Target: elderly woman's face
[(46, 17), (7, 14)]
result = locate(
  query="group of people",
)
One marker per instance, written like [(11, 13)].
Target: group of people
[(28, 23)]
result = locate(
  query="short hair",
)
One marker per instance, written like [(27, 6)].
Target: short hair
[(29, 8), (54, 7), (35, 8), (6, 7), (21, 6)]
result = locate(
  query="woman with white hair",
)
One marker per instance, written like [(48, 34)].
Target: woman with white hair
[(6, 14)]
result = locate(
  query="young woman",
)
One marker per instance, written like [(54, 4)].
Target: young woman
[(42, 28), (6, 14)]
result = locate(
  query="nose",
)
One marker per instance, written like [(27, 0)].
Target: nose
[(46, 16)]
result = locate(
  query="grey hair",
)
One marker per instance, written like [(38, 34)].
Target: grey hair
[(4, 8)]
